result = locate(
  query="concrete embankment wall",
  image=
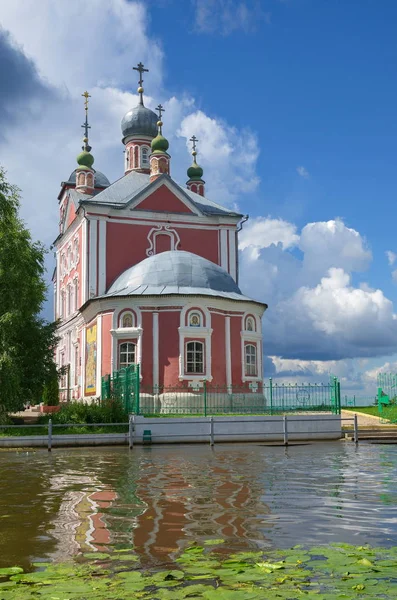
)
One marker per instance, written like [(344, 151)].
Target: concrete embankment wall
[(198, 429)]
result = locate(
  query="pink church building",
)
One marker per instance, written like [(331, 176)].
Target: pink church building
[(147, 272)]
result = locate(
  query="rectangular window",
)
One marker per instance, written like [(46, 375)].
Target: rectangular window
[(250, 360), (195, 357), (126, 354)]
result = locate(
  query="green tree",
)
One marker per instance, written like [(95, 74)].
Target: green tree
[(27, 341)]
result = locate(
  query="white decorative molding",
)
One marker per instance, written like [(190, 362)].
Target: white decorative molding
[(224, 250), (228, 355), (155, 349), (232, 254), (98, 355), (162, 229), (195, 333), (102, 258), (93, 258)]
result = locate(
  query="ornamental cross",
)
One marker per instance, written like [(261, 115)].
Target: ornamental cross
[(194, 140), (160, 110), (86, 95), (85, 125), (141, 70)]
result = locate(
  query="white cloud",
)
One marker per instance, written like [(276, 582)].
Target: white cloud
[(261, 232), (227, 155), (228, 16), (315, 313), (391, 257), (96, 49), (303, 172), (332, 244)]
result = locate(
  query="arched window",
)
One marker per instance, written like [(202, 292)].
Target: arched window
[(145, 157), (76, 251), (195, 357), (80, 179), (72, 306), (250, 324), (62, 304), (194, 319), (90, 180), (127, 320), (76, 294), (250, 360), (126, 354)]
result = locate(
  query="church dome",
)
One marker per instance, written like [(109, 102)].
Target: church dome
[(176, 272), (139, 121), (100, 179)]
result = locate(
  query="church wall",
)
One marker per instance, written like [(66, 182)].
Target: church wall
[(163, 200), (169, 348), (203, 242), (235, 343), (147, 350), (127, 244), (218, 350)]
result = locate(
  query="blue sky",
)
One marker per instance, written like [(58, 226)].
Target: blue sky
[(295, 104)]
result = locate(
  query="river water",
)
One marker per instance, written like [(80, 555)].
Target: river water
[(160, 499)]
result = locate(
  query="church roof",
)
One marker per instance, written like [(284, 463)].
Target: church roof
[(176, 272), (100, 179), (139, 121), (131, 186)]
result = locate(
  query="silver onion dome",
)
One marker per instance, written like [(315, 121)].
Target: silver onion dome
[(139, 121)]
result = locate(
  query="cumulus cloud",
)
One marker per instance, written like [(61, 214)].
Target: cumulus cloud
[(227, 155), (24, 94), (227, 16), (90, 49), (303, 172), (315, 313), (262, 232)]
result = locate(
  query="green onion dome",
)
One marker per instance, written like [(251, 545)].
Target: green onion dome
[(159, 144), (85, 160), (195, 172)]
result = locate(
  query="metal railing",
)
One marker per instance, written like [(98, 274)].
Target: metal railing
[(280, 428), (253, 398)]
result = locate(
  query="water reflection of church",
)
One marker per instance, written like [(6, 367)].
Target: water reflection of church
[(166, 508)]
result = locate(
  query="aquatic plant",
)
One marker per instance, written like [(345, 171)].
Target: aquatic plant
[(339, 571)]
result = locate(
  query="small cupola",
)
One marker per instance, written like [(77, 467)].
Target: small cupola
[(85, 174), (195, 182), (159, 158)]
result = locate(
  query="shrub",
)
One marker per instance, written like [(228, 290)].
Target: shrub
[(51, 392), (107, 411)]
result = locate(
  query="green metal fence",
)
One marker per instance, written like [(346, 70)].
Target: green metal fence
[(387, 397), (124, 385), (205, 399)]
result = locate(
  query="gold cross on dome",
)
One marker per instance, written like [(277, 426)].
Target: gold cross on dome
[(86, 95)]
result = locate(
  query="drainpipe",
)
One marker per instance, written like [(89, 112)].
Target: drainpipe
[(239, 228)]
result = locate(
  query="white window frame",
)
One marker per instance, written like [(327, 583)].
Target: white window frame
[(249, 355), (199, 347), (254, 338), (145, 164), (127, 343)]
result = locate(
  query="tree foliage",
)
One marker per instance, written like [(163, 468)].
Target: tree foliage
[(27, 341)]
